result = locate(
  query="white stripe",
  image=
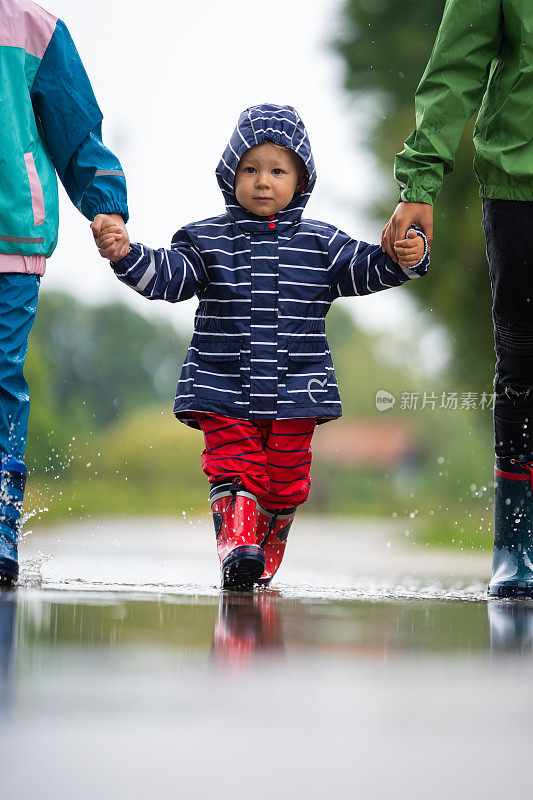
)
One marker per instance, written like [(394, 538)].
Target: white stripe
[(296, 283), (338, 254), (292, 121), (300, 249), (232, 268), (308, 302), (214, 333), (139, 259), (242, 137), (221, 236), (223, 283), (304, 334), (169, 271), (214, 225), (300, 319), (214, 389), (216, 316), (305, 233), (387, 285), (227, 165), (352, 265), (306, 375), (265, 130), (316, 225), (216, 374), (191, 266), (226, 252), (182, 283)]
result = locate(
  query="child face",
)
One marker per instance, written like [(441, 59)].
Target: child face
[(266, 179)]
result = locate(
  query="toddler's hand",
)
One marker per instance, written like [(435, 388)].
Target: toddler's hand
[(111, 236), (409, 251)]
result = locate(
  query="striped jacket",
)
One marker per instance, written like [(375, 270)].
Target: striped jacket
[(259, 348)]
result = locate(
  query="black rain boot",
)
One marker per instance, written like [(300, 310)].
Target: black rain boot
[(512, 565)]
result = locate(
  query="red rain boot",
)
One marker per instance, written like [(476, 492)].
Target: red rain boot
[(246, 624), (234, 509), (271, 533)]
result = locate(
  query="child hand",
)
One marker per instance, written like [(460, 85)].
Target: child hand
[(111, 236), (409, 251)]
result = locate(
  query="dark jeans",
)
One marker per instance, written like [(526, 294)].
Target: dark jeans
[(508, 226)]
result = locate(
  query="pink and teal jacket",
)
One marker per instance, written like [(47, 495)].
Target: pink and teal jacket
[(50, 123)]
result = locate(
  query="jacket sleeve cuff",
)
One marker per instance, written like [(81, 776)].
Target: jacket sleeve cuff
[(416, 196), (420, 269), (111, 208)]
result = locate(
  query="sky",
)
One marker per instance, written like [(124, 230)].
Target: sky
[(171, 79)]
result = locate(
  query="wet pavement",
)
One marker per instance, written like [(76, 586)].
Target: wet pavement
[(373, 669)]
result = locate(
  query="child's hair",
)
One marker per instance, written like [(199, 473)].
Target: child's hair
[(303, 175)]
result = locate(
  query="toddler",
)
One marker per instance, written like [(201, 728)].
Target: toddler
[(258, 375)]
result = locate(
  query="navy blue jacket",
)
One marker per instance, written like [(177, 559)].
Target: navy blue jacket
[(259, 349)]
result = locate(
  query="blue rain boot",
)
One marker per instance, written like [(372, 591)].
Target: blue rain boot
[(12, 485), (512, 565)]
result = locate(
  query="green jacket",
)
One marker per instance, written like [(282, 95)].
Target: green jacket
[(482, 60)]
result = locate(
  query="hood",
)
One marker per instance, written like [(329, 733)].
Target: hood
[(258, 124)]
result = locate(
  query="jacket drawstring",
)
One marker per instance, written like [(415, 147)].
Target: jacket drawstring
[(270, 527)]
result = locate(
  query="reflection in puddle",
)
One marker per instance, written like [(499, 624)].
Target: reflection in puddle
[(142, 692), (511, 626), (247, 625), (236, 630), (8, 609), (235, 627)]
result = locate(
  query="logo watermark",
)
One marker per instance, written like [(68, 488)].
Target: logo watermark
[(447, 401), (384, 400)]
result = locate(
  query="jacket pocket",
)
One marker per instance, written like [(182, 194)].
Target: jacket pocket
[(36, 190), (218, 375), (306, 379)]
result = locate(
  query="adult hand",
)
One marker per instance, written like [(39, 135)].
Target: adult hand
[(120, 246), (406, 214)]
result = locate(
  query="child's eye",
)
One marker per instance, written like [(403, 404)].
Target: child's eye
[(277, 171), (249, 170)]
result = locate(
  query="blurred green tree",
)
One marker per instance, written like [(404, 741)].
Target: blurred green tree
[(89, 364), (385, 46)]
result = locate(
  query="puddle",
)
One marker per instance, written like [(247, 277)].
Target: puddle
[(367, 671)]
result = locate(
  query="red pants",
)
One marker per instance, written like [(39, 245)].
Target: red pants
[(272, 459)]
